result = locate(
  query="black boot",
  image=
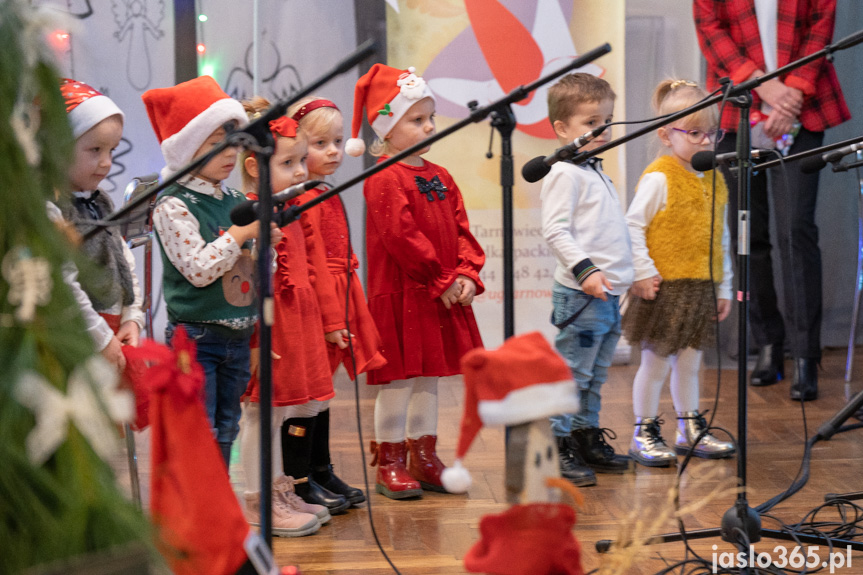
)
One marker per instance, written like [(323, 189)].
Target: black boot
[(805, 386), (599, 455), (572, 468), (322, 468), (297, 437), (770, 366)]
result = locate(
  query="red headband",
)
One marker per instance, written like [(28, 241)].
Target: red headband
[(311, 107), (284, 126)]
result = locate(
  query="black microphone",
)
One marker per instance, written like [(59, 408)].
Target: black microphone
[(706, 160), (247, 212), (537, 168), (814, 163)]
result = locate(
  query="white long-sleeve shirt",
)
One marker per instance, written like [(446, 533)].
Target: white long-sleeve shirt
[(583, 224), (651, 199), (97, 327)]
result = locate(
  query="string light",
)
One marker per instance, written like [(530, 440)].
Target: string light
[(201, 48), (202, 17)]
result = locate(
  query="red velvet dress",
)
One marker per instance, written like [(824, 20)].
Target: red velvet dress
[(305, 309), (418, 243), (329, 219)]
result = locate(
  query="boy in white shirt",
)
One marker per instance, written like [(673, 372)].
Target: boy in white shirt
[(584, 225)]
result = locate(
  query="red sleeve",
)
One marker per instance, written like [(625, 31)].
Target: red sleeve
[(723, 55), (816, 31), (389, 214), (332, 312), (471, 257)]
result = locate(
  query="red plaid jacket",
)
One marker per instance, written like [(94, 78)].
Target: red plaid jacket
[(728, 34)]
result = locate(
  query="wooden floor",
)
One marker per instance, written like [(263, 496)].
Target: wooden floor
[(431, 535)]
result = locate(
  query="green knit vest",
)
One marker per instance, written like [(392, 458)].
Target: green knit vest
[(231, 297)]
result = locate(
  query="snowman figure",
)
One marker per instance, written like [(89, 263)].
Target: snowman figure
[(520, 385)]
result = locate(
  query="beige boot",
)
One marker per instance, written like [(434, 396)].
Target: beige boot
[(647, 447), (284, 487), (286, 521), (690, 424)]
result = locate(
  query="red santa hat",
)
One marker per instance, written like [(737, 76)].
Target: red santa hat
[(185, 115), (521, 381), (387, 94), (86, 106)]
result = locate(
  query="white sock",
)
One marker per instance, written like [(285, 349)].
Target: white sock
[(391, 410), (648, 383), (422, 410), (684, 379), (250, 444)]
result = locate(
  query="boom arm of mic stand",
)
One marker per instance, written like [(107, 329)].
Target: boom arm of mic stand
[(477, 115), (809, 153), (254, 129)]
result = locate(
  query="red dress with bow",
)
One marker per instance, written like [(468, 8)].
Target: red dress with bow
[(329, 219), (306, 307), (418, 242)]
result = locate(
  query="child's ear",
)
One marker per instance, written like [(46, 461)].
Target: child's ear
[(251, 165), (559, 128), (664, 136)]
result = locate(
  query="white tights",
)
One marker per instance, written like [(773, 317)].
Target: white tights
[(646, 389), (250, 437), (406, 408)]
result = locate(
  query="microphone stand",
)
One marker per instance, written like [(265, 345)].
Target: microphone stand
[(256, 136), (807, 154), (504, 121), (741, 524)]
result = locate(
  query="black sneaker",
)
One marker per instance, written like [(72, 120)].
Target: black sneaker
[(572, 468), (596, 453)]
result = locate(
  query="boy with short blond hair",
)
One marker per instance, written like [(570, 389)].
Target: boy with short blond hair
[(584, 225)]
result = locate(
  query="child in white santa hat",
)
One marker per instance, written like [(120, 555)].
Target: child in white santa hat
[(423, 272), (207, 273)]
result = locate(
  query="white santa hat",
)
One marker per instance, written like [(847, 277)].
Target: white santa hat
[(387, 94), (86, 106), (521, 381), (185, 115)]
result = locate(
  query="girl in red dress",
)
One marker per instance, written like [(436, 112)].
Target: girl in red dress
[(321, 121), (305, 305), (423, 275)]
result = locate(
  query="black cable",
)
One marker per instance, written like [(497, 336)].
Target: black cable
[(356, 379)]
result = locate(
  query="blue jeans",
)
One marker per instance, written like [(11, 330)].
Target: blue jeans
[(226, 367), (587, 345)]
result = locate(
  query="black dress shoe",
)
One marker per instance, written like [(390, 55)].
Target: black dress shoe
[(770, 366), (805, 386), (329, 480), (311, 492)]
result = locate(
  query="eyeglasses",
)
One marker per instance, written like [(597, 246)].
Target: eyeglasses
[(697, 136)]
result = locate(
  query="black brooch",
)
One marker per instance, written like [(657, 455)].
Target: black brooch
[(427, 187)]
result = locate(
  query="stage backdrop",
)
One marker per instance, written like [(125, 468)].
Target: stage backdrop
[(481, 50)]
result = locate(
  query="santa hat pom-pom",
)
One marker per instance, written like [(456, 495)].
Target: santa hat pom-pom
[(456, 479), (355, 147)]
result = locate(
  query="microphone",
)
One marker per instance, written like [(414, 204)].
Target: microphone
[(537, 168), (704, 161), (247, 212), (814, 163)]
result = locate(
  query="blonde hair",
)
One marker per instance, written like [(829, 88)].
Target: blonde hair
[(253, 106), (573, 90), (673, 95), (316, 121)]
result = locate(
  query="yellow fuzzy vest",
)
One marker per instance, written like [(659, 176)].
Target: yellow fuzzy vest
[(678, 237)]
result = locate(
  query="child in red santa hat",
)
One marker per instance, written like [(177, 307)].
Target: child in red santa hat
[(207, 270), (321, 121), (111, 300), (423, 275)]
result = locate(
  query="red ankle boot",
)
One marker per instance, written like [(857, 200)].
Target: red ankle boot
[(424, 464), (393, 479)]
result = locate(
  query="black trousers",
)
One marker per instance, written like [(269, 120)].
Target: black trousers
[(793, 200)]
